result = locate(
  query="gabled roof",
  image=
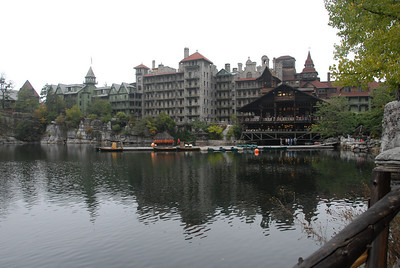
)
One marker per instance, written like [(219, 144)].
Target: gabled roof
[(266, 74), (141, 66), (268, 97), (224, 72), (51, 88), (28, 87), (317, 84), (196, 56), (114, 88), (125, 87)]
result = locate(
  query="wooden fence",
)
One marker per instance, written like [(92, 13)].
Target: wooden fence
[(367, 233)]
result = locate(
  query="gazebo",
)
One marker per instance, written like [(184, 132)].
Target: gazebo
[(163, 139)]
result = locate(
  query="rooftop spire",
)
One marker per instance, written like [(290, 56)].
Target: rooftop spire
[(309, 65), (90, 78)]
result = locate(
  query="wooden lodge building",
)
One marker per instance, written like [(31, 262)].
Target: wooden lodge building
[(282, 113)]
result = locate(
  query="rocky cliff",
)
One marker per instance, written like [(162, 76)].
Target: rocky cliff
[(91, 132), (9, 123)]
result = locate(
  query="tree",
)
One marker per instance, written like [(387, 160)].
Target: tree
[(26, 102), (54, 104), (198, 124), (142, 127), (5, 87), (73, 116), (29, 130), (122, 119), (335, 118), (370, 38), (372, 119), (236, 129), (215, 132), (163, 122), (100, 108)]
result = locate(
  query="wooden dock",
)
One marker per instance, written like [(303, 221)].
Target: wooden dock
[(265, 148)]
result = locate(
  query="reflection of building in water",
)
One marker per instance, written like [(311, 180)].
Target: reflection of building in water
[(203, 187)]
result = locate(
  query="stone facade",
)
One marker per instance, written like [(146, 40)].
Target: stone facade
[(197, 90)]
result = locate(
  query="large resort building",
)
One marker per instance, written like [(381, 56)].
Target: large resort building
[(197, 90)]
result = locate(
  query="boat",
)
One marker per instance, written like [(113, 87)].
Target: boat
[(193, 148), (188, 147), (235, 150), (164, 149), (113, 148), (212, 150), (273, 148)]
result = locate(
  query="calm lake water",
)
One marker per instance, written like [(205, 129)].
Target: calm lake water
[(69, 206)]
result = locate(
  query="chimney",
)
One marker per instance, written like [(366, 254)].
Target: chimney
[(235, 70), (240, 65), (186, 53), (228, 67), (329, 76), (154, 64)]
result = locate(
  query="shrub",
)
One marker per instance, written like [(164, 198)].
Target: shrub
[(215, 132), (116, 128), (92, 116), (106, 118)]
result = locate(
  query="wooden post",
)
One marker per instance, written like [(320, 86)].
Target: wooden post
[(350, 243), (377, 256)]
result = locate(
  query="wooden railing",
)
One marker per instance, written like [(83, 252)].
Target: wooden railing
[(368, 233)]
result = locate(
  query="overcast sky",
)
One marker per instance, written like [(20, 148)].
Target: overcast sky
[(56, 41)]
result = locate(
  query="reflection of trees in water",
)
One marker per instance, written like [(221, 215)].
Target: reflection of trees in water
[(192, 187)]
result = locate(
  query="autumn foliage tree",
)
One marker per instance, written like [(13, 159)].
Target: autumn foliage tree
[(370, 38)]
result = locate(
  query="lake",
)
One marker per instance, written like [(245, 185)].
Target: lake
[(70, 206)]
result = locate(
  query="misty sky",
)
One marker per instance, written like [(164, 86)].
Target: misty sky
[(49, 41)]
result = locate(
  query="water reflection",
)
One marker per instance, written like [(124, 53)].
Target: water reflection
[(194, 188)]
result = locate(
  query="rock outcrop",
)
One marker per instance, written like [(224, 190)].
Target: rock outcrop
[(91, 132), (360, 146), (9, 123), (390, 147)]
